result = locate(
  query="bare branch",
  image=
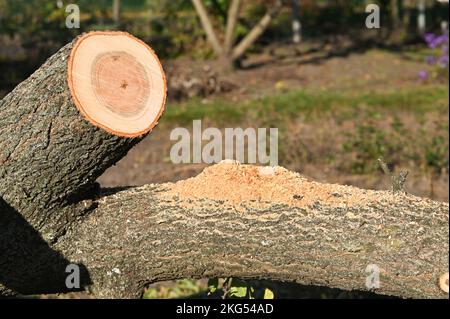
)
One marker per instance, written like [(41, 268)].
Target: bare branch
[(233, 14), (257, 30), (207, 26)]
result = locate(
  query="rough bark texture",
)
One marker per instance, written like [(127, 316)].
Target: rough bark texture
[(51, 215), (257, 30), (49, 154), (50, 157), (137, 236), (149, 238)]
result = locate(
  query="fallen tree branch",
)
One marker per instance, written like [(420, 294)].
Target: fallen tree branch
[(141, 235), (77, 115), (60, 129), (153, 233), (230, 221)]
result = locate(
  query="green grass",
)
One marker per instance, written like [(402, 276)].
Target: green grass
[(407, 127), (184, 288), (287, 105), (418, 53), (218, 110)]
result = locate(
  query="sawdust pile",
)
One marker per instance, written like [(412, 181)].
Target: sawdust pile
[(259, 186)]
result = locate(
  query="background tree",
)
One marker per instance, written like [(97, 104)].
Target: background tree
[(296, 23), (227, 52), (116, 12), (395, 14), (421, 21)]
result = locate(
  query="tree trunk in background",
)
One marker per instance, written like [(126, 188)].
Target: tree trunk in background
[(257, 31), (116, 12), (406, 14), (296, 22), (421, 18), (225, 60), (207, 26), (226, 54), (395, 15), (232, 18)]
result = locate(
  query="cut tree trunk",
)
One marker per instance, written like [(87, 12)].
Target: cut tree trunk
[(231, 221), (72, 119)]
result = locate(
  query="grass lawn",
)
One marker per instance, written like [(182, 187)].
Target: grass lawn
[(407, 127)]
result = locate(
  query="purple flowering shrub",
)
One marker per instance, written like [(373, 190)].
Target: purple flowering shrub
[(440, 59)]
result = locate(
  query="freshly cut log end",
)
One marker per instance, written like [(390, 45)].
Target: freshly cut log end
[(61, 128), (443, 283), (117, 82)]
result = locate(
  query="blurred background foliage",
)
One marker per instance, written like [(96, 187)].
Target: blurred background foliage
[(30, 30)]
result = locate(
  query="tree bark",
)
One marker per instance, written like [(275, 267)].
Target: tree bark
[(232, 18), (296, 22), (53, 215), (54, 145), (207, 26), (50, 154), (116, 12), (137, 236), (257, 30), (395, 14), (148, 237)]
